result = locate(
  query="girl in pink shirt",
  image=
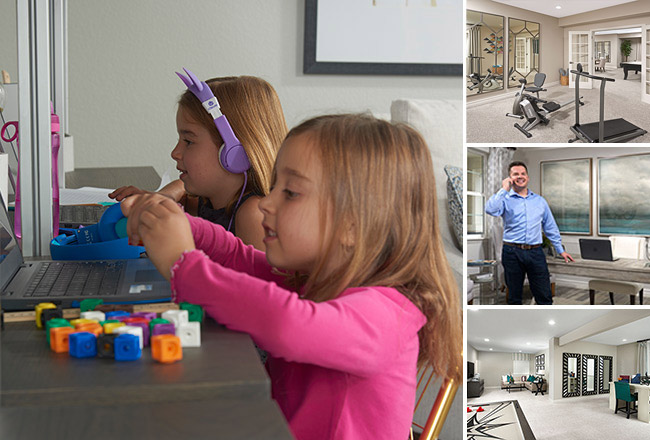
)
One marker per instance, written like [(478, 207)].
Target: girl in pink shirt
[(354, 291)]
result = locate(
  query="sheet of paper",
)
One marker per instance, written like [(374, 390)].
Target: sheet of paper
[(85, 195)]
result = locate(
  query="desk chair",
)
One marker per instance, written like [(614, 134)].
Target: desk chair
[(440, 409), (623, 393), (613, 287)]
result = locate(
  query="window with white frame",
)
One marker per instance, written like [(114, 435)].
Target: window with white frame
[(475, 193)]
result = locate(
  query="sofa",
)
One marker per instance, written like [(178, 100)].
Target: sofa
[(517, 383), (530, 386), (440, 122)]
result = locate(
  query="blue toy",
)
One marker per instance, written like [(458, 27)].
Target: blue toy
[(127, 347), (83, 345), (106, 240)]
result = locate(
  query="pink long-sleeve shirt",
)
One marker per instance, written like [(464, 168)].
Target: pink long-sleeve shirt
[(340, 369)]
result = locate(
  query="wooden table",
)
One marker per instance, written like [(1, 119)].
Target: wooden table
[(224, 376), (624, 269)]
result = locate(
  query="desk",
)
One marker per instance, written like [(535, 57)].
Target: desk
[(224, 375), (634, 66), (643, 404), (624, 269)]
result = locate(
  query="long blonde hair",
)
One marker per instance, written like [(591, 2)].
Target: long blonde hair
[(379, 182), (255, 114)]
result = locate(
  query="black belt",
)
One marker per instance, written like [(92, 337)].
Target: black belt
[(522, 246)]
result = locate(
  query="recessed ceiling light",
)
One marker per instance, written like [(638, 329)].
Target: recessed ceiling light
[(558, 7), (551, 322), (527, 343), (624, 340), (490, 349), (487, 339)]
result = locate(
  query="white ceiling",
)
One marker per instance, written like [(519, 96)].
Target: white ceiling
[(634, 331), (569, 7), (527, 330)]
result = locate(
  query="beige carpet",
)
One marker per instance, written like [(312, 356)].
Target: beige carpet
[(487, 123), (573, 418)]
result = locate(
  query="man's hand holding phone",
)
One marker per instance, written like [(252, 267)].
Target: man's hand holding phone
[(507, 183)]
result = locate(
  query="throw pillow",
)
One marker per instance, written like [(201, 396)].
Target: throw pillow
[(455, 200)]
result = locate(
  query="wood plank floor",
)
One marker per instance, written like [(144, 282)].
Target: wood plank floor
[(563, 296)]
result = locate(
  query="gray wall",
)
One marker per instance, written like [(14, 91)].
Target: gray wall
[(123, 54), (492, 365)]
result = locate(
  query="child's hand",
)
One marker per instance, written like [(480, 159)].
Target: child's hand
[(160, 224), (125, 191)]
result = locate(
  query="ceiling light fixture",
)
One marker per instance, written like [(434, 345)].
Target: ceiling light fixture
[(551, 322), (558, 7), (527, 343), (487, 339)]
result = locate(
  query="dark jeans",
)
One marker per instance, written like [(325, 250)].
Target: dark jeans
[(517, 263)]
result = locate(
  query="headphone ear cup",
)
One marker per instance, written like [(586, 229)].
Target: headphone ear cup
[(233, 158)]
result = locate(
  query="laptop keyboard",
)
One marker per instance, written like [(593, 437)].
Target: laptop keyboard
[(96, 278)]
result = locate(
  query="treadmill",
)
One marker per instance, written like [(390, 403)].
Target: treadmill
[(612, 130)]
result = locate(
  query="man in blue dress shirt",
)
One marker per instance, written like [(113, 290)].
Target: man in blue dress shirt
[(525, 214)]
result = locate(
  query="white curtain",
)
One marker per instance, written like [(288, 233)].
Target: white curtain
[(644, 358), (520, 364), (497, 169)]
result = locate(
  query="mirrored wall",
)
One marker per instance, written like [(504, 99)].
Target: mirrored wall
[(485, 60), (523, 50), (570, 374), (589, 374), (605, 373)]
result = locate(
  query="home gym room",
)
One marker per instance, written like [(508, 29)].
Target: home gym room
[(512, 41)]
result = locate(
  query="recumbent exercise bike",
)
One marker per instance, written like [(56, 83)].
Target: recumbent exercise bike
[(526, 106)]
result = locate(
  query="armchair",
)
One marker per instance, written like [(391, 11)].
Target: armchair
[(600, 64)]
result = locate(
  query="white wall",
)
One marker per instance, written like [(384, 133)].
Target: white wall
[(626, 360), (8, 48), (556, 355), (123, 54)]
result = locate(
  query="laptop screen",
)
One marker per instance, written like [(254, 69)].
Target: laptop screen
[(10, 256)]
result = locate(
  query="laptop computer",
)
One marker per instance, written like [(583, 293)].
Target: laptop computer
[(25, 284), (592, 249)]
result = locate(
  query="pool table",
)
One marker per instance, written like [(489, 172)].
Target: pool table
[(632, 65)]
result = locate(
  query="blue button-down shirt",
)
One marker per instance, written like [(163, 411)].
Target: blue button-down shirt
[(524, 218)]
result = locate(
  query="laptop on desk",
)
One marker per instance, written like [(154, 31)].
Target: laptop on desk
[(25, 284), (593, 249)]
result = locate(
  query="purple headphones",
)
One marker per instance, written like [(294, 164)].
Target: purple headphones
[(232, 155)]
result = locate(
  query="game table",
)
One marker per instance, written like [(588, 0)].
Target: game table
[(219, 387), (498, 421), (631, 66)]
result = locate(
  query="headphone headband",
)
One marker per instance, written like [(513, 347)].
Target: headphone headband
[(232, 154)]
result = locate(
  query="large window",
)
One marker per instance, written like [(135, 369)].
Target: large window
[(603, 49), (475, 196)]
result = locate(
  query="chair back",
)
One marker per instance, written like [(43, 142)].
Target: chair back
[(623, 391), (436, 416), (539, 79)]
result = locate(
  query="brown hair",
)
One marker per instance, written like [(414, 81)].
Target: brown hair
[(378, 181), (517, 164), (255, 114)]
